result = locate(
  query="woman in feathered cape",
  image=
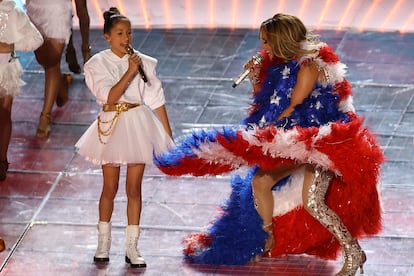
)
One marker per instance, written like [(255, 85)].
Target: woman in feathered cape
[(312, 186)]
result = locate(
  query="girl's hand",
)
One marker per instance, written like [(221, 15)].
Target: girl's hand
[(134, 62)]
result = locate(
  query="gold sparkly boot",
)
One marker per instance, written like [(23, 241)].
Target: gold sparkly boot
[(354, 256)]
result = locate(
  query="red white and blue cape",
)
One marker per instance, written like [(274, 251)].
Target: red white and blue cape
[(324, 130)]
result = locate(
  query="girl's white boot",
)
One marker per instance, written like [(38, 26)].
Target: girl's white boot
[(132, 255), (104, 242)]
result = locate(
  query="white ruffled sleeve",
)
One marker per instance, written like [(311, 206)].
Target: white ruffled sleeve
[(154, 93), (98, 79)]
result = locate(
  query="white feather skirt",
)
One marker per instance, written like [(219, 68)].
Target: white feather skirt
[(10, 73), (53, 18)]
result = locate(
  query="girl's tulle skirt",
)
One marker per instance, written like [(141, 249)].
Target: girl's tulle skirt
[(135, 137), (53, 18)]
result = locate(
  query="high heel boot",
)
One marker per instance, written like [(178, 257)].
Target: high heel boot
[(132, 255), (354, 258), (104, 242), (315, 205), (43, 129)]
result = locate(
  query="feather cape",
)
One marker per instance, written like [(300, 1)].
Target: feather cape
[(324, 130)]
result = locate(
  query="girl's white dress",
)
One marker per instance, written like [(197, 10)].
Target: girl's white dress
[(53, 18), (138, 133), (15, 28)]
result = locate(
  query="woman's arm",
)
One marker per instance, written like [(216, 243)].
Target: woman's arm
[(307, 77)]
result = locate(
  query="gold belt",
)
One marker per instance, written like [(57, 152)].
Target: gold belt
[(120, 107)]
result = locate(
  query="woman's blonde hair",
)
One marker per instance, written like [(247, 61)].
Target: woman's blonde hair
[(285, 35)]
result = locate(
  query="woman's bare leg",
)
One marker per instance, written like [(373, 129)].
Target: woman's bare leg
[(48, 56), (70, 57), (5, 134), (6, 123), (262, 184), (84, 25)]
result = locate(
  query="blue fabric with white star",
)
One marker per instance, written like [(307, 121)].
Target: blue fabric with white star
[(319, 108)]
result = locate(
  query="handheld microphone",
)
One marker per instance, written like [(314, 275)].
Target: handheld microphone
[(130, 51), (256, 61)]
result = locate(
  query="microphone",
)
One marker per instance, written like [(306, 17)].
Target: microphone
[(130, 51), (256, 61)]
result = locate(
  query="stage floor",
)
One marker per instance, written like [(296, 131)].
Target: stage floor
[(49, 202)]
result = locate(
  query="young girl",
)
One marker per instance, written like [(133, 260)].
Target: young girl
[(127, 131), (312, 186), (17, 33)]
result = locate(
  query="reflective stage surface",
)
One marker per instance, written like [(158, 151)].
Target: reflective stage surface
[(49, 202)]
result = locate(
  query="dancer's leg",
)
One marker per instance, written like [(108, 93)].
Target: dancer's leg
[(6, 123), (262, 184), (5, 134), (70, 57), (48, 55), (84, 24)]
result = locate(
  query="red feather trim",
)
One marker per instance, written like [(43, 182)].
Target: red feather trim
[(328, 55), (344, 89)]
